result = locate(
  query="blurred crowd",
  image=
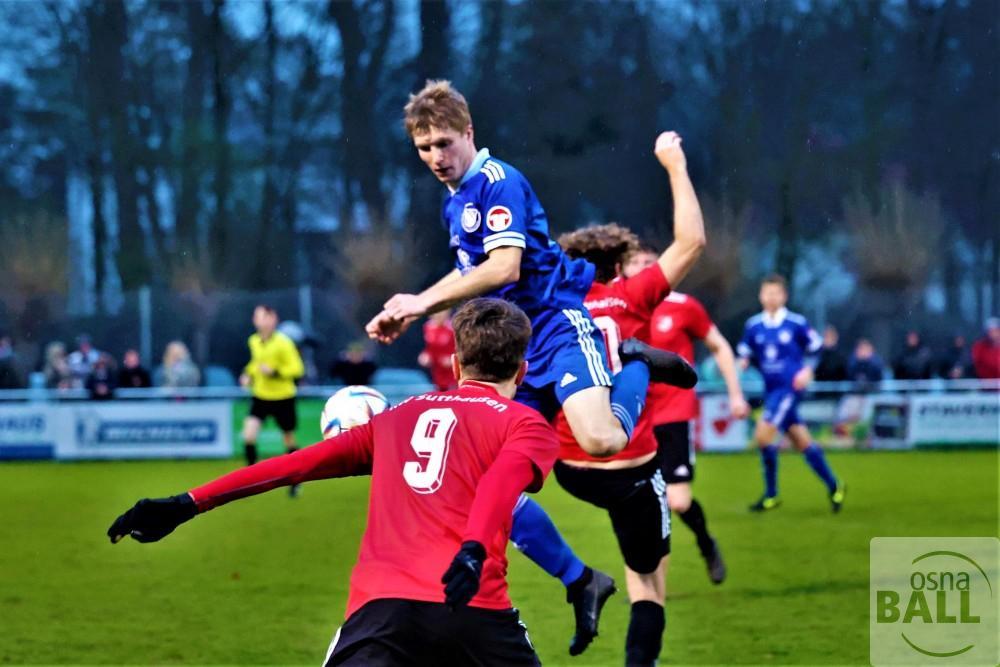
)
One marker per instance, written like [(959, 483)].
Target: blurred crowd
[(101, 374), (87, 367), (916, 360)]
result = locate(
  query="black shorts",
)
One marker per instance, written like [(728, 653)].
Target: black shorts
[(675, 451), (282, 410), (391, 632), (636, 501)]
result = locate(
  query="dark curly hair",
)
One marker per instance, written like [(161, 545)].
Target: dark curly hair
[(604, 246)]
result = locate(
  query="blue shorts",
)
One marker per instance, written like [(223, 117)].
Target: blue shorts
[(566, 355), (781, 408)]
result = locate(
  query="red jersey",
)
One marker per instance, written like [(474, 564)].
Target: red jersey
[(439, 345), (621, 309), (676, 323), (427, 457)]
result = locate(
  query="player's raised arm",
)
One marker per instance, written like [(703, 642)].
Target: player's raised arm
[(151, 520), (689, 226), (726, 361), (502, 267)]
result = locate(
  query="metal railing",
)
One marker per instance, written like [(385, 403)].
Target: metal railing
[(397, 391)]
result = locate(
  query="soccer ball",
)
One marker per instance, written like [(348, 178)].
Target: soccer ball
[(350, 407)]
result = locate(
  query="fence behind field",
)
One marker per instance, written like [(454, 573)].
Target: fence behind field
[(203, 421)]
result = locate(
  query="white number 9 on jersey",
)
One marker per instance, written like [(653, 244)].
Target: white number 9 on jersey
[(430, 440)]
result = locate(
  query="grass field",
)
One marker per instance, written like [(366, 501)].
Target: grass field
[(264, 581)]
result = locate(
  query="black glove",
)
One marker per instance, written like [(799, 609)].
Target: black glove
[(152, 519), (461, 580)]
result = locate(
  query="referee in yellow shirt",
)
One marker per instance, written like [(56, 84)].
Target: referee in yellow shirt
[(274, 367)]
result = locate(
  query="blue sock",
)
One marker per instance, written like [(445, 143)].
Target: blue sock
[(769, 459), (628, 394), (537, 537), (817, 461)]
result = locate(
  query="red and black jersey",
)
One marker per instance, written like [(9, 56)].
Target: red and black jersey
[(621, 309), (677, 322), (439, 462)]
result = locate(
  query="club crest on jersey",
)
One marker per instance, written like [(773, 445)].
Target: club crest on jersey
[(471, 217), (785, 337), (665, 324), (499, 218)]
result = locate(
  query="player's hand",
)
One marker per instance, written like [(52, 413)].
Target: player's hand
[(802, 379), (151, 520), (386, 329), (405, 306), (244, 380), (743, 364), (738, 407), (669, 152), (265, 369), (461, 580)]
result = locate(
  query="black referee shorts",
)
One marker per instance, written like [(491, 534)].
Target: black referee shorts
[(393, 632), (282, 410), (636, 501), (676, 454)]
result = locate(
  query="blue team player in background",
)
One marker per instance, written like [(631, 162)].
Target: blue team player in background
[(783, 347), (499, 235)]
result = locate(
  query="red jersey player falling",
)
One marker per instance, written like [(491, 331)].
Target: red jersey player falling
[(630, 484), (447, 468)]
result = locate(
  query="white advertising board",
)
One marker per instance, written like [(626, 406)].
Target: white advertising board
[(717, 430), (954, 419), (28, 430), (145, 430)]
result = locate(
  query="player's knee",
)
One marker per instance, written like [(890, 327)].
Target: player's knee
[(603, 443), (679, 505)]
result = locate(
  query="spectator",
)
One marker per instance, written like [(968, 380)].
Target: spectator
[(56, 369), (101, 382), (82, 360), (178, 369), (9, 377), (986, 352), (956, 361), (439, 345), (915, 362), (354, 365), (132, 375), (832, 366), (865, 368)]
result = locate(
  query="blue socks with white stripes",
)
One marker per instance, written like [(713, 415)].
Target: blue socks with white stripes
[(769, 461), (628, 394), (817, 461), (534, 534)]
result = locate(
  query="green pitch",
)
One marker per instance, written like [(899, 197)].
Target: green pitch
[(264, 581)]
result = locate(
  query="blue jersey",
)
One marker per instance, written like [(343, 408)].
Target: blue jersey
[(778, 346), (495, 207)]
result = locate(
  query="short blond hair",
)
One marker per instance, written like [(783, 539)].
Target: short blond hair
[(438, 105)]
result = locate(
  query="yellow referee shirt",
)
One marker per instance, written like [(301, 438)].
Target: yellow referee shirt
[(279, 353)]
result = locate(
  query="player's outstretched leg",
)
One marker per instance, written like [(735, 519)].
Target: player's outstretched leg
[(817, 461), (765, 434), (769, 467), (664, 366), (534, 534), (694, 518), (294, 489)]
